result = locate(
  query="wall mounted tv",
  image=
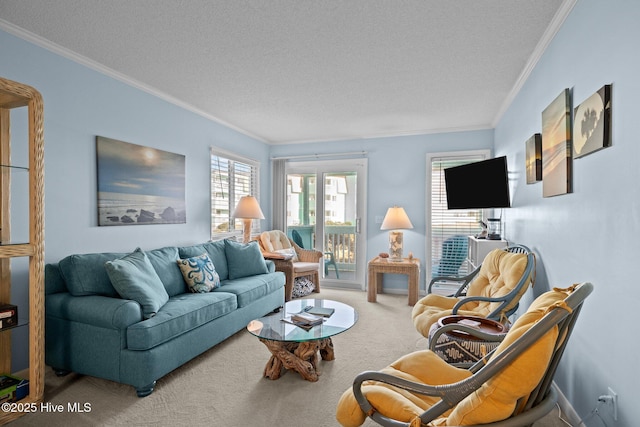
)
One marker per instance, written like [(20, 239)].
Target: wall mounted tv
[(478, 185)]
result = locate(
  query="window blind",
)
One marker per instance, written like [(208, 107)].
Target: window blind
[(450, 228), (232, 177)]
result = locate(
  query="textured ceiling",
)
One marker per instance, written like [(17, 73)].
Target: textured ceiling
[(307, 70)]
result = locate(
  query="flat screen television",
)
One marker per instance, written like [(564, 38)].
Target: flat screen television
[(478, 185)]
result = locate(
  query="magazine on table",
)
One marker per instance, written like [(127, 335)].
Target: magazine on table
[(320, 311), (304, 320)]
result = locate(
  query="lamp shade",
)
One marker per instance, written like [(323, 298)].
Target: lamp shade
[(248, 208), (396, 219)]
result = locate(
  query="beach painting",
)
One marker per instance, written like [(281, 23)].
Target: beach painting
[(556, 146), (533, 150), (139, 185), (592, 123)]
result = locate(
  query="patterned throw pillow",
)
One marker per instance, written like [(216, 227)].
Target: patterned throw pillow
[(199, 273), (302, 287)]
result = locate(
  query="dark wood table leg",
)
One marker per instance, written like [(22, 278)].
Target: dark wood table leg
[(300, 357), (326, 349)]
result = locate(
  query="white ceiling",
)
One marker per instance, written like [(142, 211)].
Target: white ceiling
[(308, 70)]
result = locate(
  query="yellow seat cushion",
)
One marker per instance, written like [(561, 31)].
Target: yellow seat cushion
[(498, 276), (493, 401), (420, 366)]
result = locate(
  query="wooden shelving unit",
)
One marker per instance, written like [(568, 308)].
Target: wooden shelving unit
[(14, 95)]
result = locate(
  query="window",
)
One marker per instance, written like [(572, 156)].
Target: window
[(444, 223), (231, 178)]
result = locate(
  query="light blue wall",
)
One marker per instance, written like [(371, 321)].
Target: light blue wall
[(81, 103), (588, 235), (396, 176), (591, 234)]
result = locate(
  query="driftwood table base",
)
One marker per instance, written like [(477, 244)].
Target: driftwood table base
[(301, 357)]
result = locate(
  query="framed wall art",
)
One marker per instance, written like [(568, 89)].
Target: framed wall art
[(556, 146), (592, 123), (139, 185), (533, 151)]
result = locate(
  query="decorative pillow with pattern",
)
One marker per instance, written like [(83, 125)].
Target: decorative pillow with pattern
[(199, 273), (302, 287)]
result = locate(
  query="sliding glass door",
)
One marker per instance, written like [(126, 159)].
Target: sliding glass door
[(325, 211)]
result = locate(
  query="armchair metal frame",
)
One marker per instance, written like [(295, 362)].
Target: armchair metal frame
[(537, 404), (464, 281)]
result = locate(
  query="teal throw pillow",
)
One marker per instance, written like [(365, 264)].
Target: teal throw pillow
[(244, 259), (199, 273), (134, 278)]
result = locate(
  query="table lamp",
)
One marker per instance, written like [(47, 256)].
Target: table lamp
[(247, 209), (396, 219)]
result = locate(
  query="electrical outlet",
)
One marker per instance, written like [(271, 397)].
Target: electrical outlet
[(614, 402)]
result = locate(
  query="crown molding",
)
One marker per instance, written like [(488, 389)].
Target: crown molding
[(96, 66), (554, 26), (386, 135)]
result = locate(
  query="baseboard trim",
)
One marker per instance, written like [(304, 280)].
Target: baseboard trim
[(568, 412)]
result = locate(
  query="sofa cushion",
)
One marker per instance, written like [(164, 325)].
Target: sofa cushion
[(180, 314), (85, 274), (244, 259), (250, 289), (134, 278), (199, 273), (163, 261), (217, 254)]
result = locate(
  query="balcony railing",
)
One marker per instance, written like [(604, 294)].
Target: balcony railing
[(338, 239)]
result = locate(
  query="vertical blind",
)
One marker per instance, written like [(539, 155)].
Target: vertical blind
[(450, 228), (231, 178)]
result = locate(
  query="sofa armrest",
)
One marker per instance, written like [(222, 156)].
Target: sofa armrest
[(101, 311), (271, 266)]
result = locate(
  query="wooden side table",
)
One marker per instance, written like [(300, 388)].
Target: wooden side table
[(378, 266)]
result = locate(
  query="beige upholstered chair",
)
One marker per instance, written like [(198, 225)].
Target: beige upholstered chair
[(511, 387), (304, 262)]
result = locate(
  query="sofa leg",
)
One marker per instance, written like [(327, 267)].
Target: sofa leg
[(146, 390), (61, 372), (277, 309)]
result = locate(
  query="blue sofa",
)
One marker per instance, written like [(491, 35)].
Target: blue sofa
[(90, 329)]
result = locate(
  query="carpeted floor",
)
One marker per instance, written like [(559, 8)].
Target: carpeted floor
[(225, 387)]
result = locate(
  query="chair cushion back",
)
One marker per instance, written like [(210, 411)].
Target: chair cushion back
[(499, 275), (497, 398), (274, 240)]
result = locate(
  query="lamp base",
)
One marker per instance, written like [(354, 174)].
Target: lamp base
[(395, 246), (246, 229)]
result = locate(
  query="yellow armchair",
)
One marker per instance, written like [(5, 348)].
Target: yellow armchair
[(511, 388), (493, 291)]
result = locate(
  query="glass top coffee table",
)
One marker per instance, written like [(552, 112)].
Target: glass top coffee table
[(296, 348)]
